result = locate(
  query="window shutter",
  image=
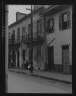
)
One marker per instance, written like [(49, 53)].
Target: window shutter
[(69, 19), (53, 24), (60, 22), (47, 27)]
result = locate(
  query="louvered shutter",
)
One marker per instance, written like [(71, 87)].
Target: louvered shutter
[(69, 20), (60, 22), (53, 25), (47, 27)]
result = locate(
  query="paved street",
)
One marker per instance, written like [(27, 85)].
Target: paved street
[(20, 83)]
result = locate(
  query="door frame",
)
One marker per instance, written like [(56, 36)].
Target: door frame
[(18, 65), (53, 58), (62, 58)]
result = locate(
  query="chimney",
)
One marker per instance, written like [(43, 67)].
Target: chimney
[(19, 15)]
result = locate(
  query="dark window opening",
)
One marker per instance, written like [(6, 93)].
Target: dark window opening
[(50, 25), (18, 35), (64, 20)]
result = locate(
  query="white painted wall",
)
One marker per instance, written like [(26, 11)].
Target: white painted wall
[(63, 37)]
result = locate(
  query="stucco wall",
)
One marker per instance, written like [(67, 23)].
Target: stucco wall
[(63, 37)]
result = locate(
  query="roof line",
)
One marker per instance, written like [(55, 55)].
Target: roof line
[(48, 9), (35, 11)]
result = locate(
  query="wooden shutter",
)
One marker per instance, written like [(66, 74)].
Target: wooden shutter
[(47, 26), (69, 20), (60, 22), (52, 28), (53, 24)]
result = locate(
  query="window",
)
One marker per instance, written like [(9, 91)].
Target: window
[(13, 36), (18, 34), (23, 32), (29, 31), (64, 21), (39, 26), (38, 54), (50, 25)]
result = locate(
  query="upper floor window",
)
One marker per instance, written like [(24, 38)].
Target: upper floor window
[(39, 26), (18, 33), (13, 36), (23, 32), (29, 29), (50, 25), (64, 21)]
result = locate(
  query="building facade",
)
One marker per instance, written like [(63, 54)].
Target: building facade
[(52, 39)]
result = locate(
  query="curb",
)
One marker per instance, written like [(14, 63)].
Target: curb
[(32, 74)]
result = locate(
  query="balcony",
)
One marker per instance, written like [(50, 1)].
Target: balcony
[(38, 37), (14, 43)]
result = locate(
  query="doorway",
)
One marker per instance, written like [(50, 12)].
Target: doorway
[(23, 55), (51, 58), (17, 58), (65, 59)]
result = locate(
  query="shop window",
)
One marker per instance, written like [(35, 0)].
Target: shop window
[(64, 21)]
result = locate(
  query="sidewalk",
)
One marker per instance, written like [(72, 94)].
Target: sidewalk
[(47, 75)]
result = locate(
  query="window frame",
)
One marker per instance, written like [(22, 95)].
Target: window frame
[(18, 33), (23, 31), (61, 21), (39, 23), (48, 25)]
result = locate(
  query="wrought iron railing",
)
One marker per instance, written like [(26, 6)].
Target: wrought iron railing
[(36, 37), (14, 41)]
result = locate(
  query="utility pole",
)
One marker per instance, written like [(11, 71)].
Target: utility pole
[(6, 48), (31, 70)]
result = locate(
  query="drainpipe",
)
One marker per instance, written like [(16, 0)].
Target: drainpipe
[(6, 48)]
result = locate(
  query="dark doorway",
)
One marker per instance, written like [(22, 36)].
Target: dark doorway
[(13, 59), (65, 58), (17, 58), (51, 58)]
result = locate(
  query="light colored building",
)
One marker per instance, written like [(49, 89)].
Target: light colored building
[(58, 23), (52, 38), (20, 34)]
